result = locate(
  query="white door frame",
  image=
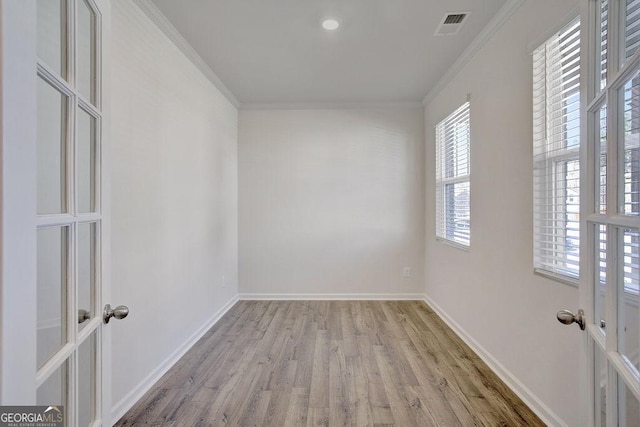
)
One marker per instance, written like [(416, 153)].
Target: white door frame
[(18, 145), (104, 346)]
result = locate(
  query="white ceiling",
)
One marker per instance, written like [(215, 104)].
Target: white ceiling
[(276, 52)]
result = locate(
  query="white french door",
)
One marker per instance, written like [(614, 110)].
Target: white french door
[(610, 208), (55, 239)]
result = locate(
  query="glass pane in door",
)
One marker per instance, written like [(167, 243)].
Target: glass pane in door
[(54, 390), (600, 392), (51, 149), (600, 286), (631, 161), (632, 28), (628, 407), (86, 161), (630, 156), (601, 163), (86, 273), (631, 266), (87, 381), (603, 23), (51, 289), (629, 301), (86, 51), (52, 33)]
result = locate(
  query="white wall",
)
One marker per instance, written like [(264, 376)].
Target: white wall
[(331, 201), (491, 291), (174, 198)]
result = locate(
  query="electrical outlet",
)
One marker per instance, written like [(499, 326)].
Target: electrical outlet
[(406, 272)]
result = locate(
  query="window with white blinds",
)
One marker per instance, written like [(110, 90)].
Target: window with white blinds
[(556, 146), (452, 177)]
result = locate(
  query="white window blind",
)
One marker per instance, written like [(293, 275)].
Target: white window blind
[(556, 145), (452, 177)]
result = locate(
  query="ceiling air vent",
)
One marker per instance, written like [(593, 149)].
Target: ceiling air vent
[(451, 23)]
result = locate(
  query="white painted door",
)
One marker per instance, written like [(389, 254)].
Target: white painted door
[(55, 205), (610, 207)]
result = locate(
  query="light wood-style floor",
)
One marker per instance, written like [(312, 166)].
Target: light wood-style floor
[(330, 363)]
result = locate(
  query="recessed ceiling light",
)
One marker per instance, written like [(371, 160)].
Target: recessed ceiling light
[(330, 24)]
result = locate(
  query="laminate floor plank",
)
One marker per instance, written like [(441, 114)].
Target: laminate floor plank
[(340, 407), (376, 391), (358, 391), (256, 409), (330, 363), (318, 417), (305, 352), (281, 388), (319, 397), (404, 414), (298, 409)]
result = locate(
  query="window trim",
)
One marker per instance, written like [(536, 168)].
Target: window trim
[(550, 175), (463, 111)]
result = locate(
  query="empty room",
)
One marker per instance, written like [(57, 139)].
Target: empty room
[(320, 213)]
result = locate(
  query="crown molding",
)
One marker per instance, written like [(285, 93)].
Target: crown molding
[(331, 105), (161, 21), (503, 15)]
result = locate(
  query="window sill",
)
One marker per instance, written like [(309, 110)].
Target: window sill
[(453, 244), (557, 277)]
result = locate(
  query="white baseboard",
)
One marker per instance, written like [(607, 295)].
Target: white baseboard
[(527, 396), (127, 402), (352, 297)]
